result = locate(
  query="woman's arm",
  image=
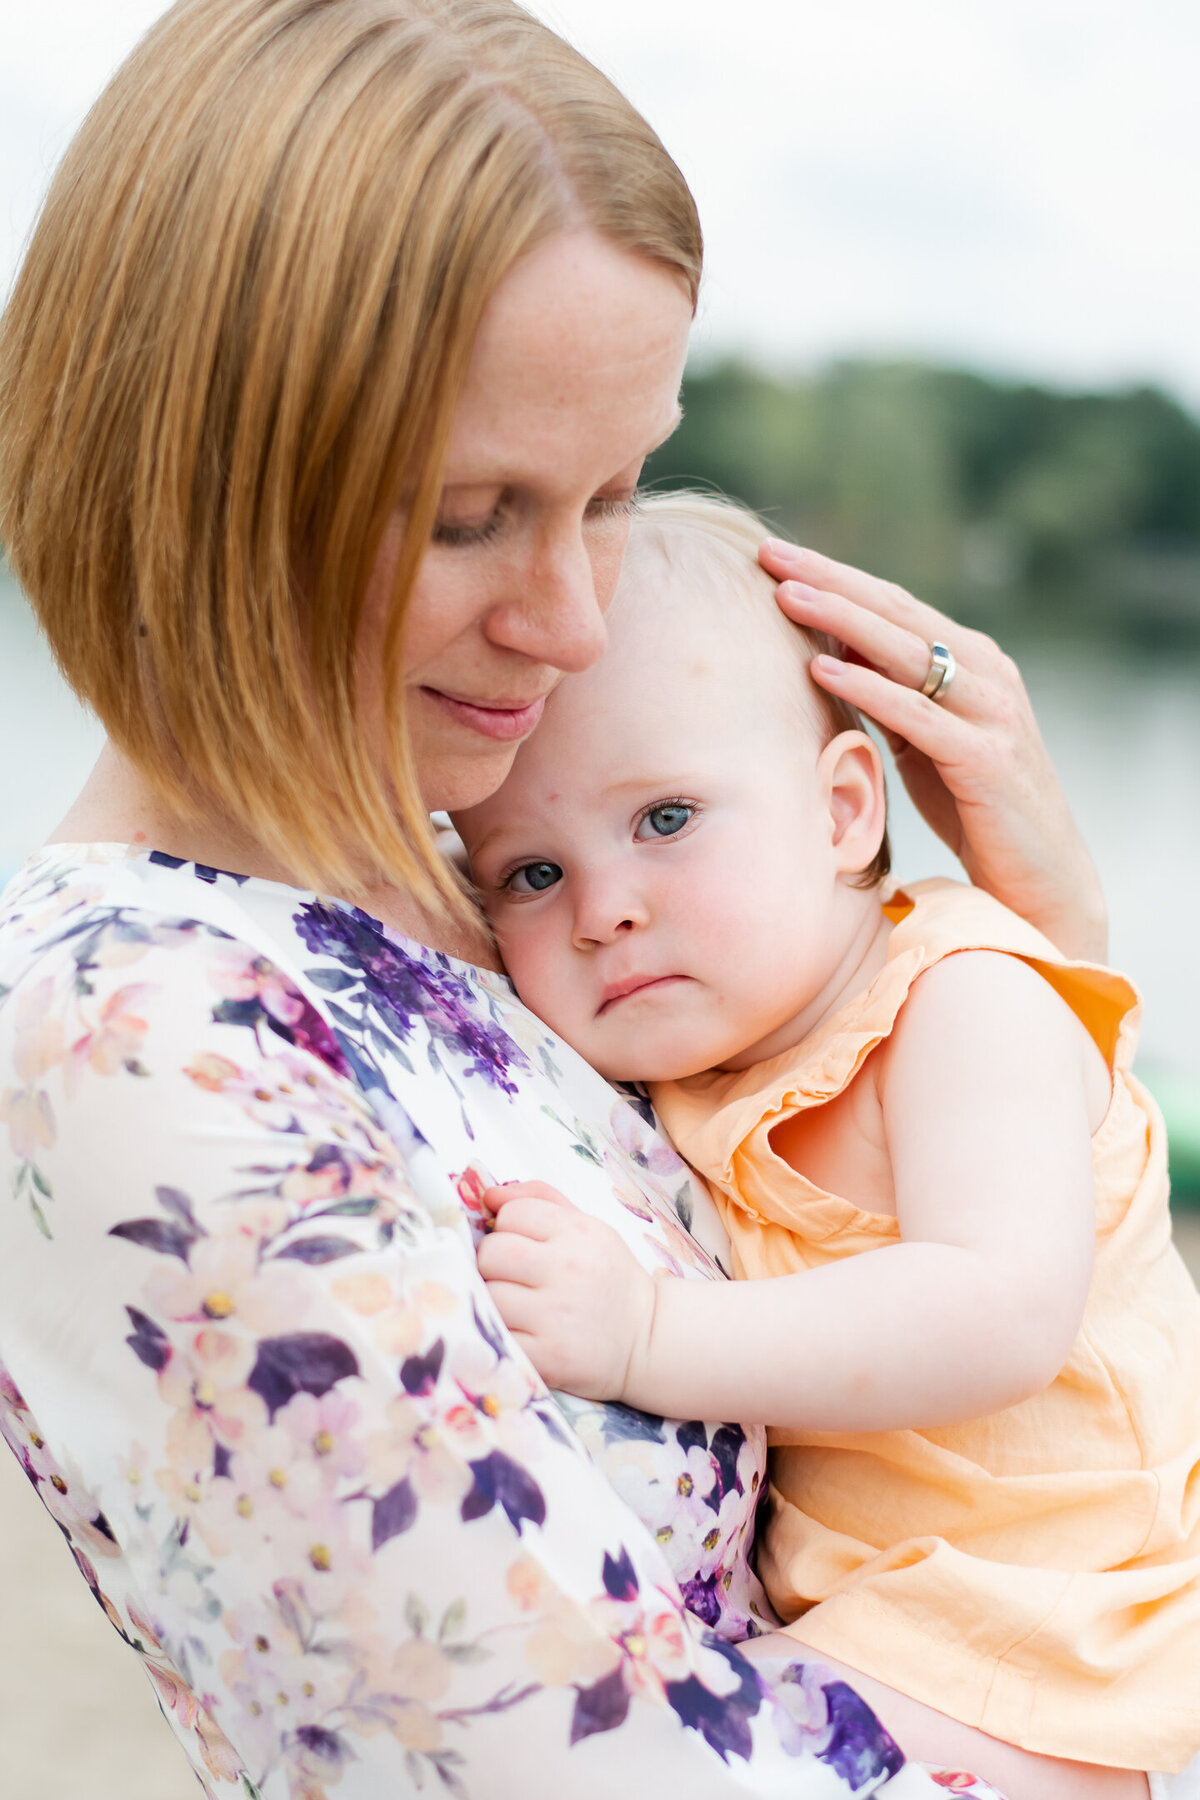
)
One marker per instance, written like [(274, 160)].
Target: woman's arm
[(974, 763), (251, 1368)]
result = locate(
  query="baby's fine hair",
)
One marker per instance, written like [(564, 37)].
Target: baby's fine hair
[(704, 533)]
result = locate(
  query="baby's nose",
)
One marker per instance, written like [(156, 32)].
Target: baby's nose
[(603, 914)]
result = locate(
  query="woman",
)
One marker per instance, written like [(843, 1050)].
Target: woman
[(324, 392)]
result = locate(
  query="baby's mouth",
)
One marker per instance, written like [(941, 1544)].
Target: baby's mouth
[(633, 985)]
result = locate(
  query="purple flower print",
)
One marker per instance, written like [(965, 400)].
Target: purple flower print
[(385, 992)]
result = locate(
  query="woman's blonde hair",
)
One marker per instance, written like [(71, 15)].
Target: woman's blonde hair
[(237, 341), (701, 535)]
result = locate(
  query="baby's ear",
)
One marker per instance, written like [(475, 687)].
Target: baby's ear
[(851, 772)]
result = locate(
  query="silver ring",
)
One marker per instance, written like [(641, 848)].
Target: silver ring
[(942, 670)]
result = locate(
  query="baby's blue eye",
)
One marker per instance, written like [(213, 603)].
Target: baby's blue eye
[(664, 821), (533, 878)]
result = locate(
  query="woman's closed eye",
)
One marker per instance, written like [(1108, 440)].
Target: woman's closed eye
[(666, 819), (454, 534)]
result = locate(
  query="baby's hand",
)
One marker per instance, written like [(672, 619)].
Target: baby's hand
[(574, 1298)]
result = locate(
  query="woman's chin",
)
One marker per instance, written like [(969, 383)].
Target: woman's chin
[(454, 784)]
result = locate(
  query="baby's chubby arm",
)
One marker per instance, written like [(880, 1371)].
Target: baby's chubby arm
[(988, 1093)]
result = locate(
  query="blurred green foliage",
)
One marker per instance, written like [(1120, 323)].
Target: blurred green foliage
[(1017, 507)]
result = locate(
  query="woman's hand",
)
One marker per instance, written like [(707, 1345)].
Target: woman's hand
[(573, 1296), (974, 763)]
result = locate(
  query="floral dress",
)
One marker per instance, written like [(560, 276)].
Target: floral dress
[(248, 1364)]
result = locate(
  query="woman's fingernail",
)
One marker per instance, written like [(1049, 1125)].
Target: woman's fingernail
[(799, 593), (828, 665), (781, 547)]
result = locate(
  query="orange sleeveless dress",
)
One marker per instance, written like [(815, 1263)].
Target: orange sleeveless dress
[(1036, 1573)]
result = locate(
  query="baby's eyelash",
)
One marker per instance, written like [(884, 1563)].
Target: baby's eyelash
[(692, 807), (502, 882)]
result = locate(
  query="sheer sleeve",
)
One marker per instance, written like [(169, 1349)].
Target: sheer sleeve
[(250, 1368)]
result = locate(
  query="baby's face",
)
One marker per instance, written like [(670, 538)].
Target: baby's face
[(660, 866)]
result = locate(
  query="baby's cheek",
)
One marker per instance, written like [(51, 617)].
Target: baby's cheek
[(533, 959)]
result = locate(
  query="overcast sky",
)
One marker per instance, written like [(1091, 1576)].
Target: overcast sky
[(1011, 184)]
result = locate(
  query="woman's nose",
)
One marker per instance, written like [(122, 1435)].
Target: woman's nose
[(557, 617)]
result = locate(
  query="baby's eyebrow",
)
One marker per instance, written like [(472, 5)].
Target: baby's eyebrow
[(657, 782)]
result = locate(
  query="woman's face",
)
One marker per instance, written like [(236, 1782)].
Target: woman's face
[(573, 380)]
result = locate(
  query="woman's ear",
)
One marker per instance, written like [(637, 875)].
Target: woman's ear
[(850, 769)]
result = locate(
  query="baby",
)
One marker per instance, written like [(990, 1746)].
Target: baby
[(961, 1314)]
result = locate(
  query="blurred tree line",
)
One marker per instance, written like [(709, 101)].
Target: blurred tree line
[(1020, 508)]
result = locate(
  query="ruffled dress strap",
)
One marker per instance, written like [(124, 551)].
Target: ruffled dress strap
[(721, 1121)]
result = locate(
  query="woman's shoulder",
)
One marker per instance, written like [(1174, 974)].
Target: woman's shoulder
[(88, 931), (65, 896)]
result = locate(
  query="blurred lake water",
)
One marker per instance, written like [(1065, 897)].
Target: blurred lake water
[(1124, 733)]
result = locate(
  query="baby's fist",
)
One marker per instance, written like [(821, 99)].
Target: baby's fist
[(573, 1296)]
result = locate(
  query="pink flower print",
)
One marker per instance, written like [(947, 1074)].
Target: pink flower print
[(269, 1098), (173, 1692), (144, 1627), (719, 1534), (470, 1187), (39, 1043), (204, 1381), (523, 1027), (397, 1326), (653, 1642), (279, 1468), (115, 1040), (238, 977), (297, 1680), (212, 1072), (567, 1643), (324, 1178), (217, 1753), (580, 1644), (223, 1279), (69, 1502), (131, 1469), (957, 1781), (407, 1682), (627, 1191), (269, 1481), (401, 1318), (799, 1702), (679, 1253), (30, 1119), (674, 1505), (418, 1449), (497, 1393), (187, 1478), (325, 1429), (39, 1046), (644, 1148), (328, 1547), (11, 1398)]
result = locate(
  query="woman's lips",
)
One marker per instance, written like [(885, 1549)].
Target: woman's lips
[(636, 984), (503, 723)]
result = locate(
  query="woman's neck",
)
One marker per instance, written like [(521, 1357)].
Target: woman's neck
[(118, 806)]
